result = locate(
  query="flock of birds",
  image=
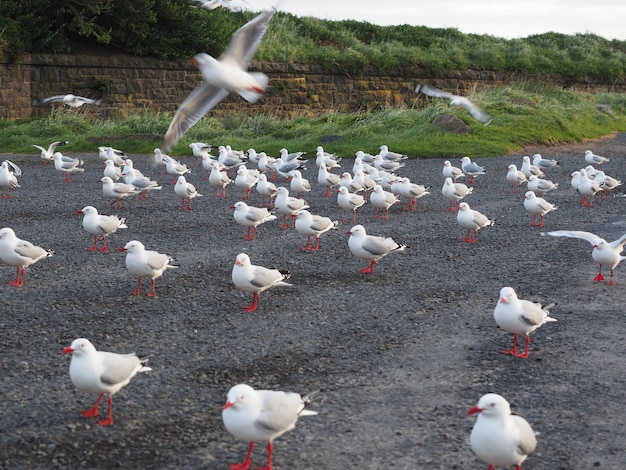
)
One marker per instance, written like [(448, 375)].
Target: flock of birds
[(498, 437)]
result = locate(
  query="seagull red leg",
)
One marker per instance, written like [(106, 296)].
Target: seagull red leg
[(513, 350), (104, 248), (308, 244), (152, 293), (284, 225), (95, 244), (599, 277), (611, 283), (138, 290), (93, 411), (525, 355), (255, 301), (317, 244), (540, 224), (270, 448), (369, 269), (109, 419), (245, 465)]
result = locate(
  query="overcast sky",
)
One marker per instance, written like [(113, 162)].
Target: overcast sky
[(503, 18)]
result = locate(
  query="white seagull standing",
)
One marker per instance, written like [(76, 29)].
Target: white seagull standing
[(471, 220), (67, 166), (313, 225), (540, 186), (256, 279), (19, 253), (450, 171), (117, 191), (219, 180), (454, 192), (266, 189), (516, 178), (537, 206), (471, 168), (100, 226), (604, 253), (499, 438), (382, 199), (228, 74), (369, 247), (349, 202), (587, 187), (145, 263), (456, 100), (251, 217), (529, 169), (101, 372), (261, 415), (594, 159), (46, 154), (9, 172), (288, 205), (520, 317), (186, 191), (544, 163)]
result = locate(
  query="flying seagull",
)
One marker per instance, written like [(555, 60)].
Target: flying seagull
[(456, 100), (222, 76), (72, 101)]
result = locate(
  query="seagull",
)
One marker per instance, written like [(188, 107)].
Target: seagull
[(450, 171), (350, 183), (329, 159), (313, 225), (117, 191), (382, 199), (412, 192), (9, 172), (327, 179), (499, 438), (607, 183), (369, 247), (389, 155), (540, 186), (520, 317), (109, 153), (213, 4), (349, 202), (245, 180), (261, 415), (100, 226), (587, 187), (67, 166), (299, 184), (529, 169), (251, 217), (174, 167), (46, 154), (471, 220), (288, 206), (223, 76), (604, 253), (72, 101), (112, 171), (544, 163), (456, 100), (186, 191), (219, 180), (537, 206), (19, 253), (101, 372), (145, 263), (516, 178), (471, 168), (256, 279), (266, 189), (594, 159), (142, 184), (454, 192)]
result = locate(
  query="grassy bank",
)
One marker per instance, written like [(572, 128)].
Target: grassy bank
[(522, 115)]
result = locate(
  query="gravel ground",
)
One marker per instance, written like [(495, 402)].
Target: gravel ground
[(399, 356)]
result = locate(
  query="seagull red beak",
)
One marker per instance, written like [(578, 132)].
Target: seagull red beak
[(68, 350), (473, 410), (79, 212), (228, 404), (122, 249), (348, 232), (232, 207), (502, 300)]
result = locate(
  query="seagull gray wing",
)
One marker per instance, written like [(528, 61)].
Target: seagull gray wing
[(378, 245), (256, 214), (590, 237), (16, 169), (50, 99), (118, 367), (433, 92), (279, 410), (199, 102), (245, 41)]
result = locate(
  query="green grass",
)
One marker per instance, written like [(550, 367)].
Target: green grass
[(524, 114)]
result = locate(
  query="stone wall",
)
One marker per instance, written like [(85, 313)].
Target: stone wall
[(129, 84)]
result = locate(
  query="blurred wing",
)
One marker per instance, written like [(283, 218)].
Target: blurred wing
[(432, 91), (590, 237), (199, 102), (50, 99), (246, 40)]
